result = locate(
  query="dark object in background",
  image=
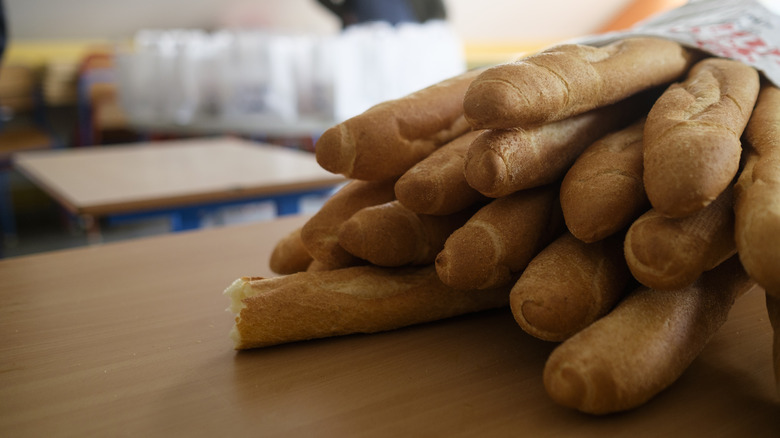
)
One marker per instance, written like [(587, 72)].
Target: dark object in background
[(3, 31), (361, 11)]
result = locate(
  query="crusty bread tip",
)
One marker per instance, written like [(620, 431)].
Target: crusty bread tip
[(640, 348), (320, 232), (692, 136), (571, 79), (290, 254), (670, 253), (602, 192), (437, 185), (569, 285), (390, 234), (499, 240), (387, 139), (757, 193)]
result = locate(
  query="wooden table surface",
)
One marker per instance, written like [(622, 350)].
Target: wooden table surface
[(122, 178), (131, 339)]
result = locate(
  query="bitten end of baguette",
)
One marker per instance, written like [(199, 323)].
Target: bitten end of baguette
[(335, 150), (236, 292)]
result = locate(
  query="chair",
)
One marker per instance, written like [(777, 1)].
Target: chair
[(23, 127), (101, 118)]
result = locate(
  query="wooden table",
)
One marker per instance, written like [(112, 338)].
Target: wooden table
[(181, 179), (131, 339)]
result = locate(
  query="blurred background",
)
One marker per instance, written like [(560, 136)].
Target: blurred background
[(95, 73)]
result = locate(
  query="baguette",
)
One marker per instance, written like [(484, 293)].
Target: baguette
[(640, 348), (692, 136), (602, 192), (436, 185), (500, 162), (290, 255), (568, 286), (757, 193), (359, 299), (499, 240), (670, 253), (320, 232), (570, 79), (392, 235), (317, 265), (389, 138)]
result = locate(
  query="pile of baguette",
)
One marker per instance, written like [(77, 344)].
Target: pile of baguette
[(617, 199)]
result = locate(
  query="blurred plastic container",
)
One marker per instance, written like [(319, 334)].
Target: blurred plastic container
[(263, 80)]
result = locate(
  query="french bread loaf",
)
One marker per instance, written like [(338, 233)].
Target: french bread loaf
[(389, 138), (757, 193), (290, 254), (671, 253), (320, 232), (359, 299), (436, 185), (570, 79), (642, 346), (317, 265), (692, 135), (499, 240), (569, 285), (500, 162), (390, 234), (602, 193)]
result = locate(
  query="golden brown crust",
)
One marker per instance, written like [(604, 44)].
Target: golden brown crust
[(568, 285), (437, 185), (602, 193), (389, 138), (320, 233), (670, 253), (392, 235), (570, 79), (317, 265), (640, 348), (757, 192), (290, 255), (361, 299), (500, 239), (692, 136), (500, 162)]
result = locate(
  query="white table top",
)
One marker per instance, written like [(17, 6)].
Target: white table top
[(124, 178)]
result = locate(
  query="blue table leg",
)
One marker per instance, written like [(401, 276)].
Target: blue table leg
[(287, 204), (186, 219)]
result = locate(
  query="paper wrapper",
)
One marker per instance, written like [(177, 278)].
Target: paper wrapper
[(743, 30)]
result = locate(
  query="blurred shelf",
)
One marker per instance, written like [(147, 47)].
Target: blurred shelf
[(235, 125), (487, 53)]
